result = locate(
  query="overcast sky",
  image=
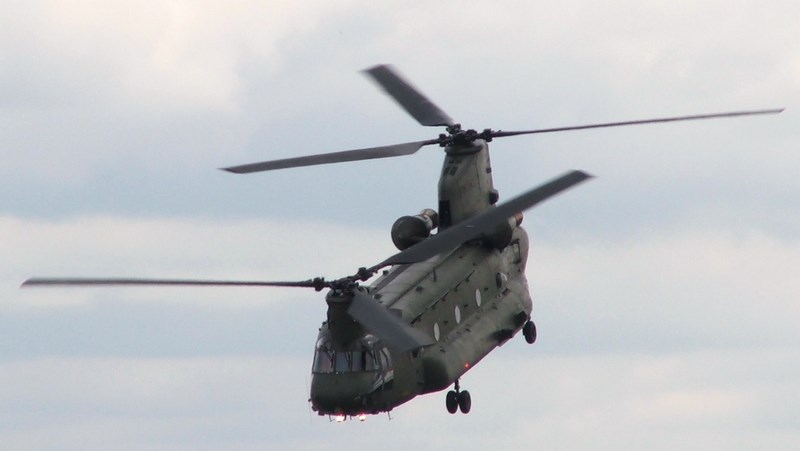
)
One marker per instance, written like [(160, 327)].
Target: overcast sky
[(665, 290)]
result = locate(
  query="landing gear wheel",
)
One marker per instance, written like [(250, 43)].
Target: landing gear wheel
[(464, 401), (458, 400), (451, 401), (529, 331)]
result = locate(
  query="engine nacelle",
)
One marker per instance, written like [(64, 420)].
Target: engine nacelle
[(410, 230), (504, 232)]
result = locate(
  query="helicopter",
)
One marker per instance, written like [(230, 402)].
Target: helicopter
[(455, 290)]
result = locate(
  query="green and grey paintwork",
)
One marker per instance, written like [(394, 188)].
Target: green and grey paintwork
[(469, 301)]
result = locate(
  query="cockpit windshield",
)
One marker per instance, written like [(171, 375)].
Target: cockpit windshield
[(363, 358)]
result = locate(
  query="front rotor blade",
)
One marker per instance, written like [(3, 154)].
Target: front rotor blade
[(409, 97), (369, 153), (485, 223), (376, 318), (88, 282), (501, 134)]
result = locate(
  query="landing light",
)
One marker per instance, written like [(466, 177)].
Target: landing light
[(362, 417), (339, 418)]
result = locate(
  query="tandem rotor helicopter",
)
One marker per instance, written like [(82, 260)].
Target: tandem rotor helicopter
[(446, 299)]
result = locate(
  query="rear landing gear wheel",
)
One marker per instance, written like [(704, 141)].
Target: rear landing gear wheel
[(458, 400), (529, 331), (464, 401), (451, 401)]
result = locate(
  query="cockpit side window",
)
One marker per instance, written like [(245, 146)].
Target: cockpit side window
[(342, 361), (386, 360), (323, 361), (370, 361), (327, 360), (364, 361)]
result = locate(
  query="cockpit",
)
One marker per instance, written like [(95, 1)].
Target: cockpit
[(351, 378), (364, 356)]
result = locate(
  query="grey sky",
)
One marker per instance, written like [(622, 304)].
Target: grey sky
[(665, 290)]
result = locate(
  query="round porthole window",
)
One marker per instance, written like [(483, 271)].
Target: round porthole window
[(500, 279)]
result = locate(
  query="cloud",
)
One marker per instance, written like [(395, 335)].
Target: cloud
[(664, 288), (178, 56), (145, 101), (696, 400), (687, 290), (186, 248), (684, 400), (663, 342), (134, 403)]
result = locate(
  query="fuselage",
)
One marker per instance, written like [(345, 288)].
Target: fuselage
[(469, 301)]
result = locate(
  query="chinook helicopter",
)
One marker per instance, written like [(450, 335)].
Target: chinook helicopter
[(446, 299)]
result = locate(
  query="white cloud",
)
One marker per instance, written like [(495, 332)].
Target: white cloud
[(692, 401), (722, 382), (665, 291), (181, 56), (176, 248), (688, 289), (133, 403)]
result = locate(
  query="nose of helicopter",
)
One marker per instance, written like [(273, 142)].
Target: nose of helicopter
[(341, 393)]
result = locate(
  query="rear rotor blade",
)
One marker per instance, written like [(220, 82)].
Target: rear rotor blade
[(52, 281), (369, 153), (501, 134), (409, 97), (484, 223), (376, 318)]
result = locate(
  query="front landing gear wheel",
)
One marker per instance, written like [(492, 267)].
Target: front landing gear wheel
[(451, 401), (529, 331), (464, 401)]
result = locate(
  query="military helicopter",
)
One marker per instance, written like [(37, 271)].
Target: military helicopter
[(445, 300)]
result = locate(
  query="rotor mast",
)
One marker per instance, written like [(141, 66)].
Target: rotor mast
[(465, 183)]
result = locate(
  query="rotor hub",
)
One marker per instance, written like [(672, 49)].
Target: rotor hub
[(456, 136)]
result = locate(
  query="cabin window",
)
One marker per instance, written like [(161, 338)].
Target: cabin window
[(500, 279), (517, 252)]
